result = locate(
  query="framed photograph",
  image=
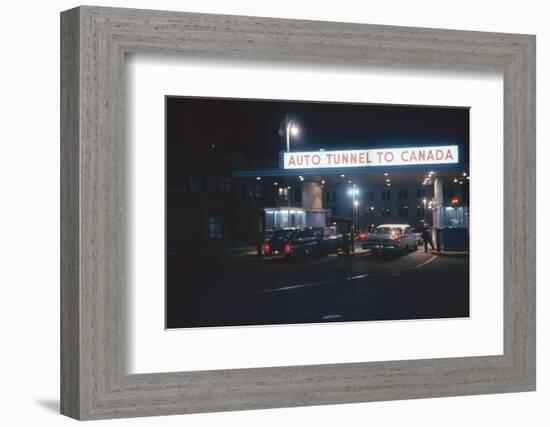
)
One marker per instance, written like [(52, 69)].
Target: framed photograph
[(263, 213)]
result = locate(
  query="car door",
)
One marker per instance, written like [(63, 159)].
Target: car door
[(410, 238)]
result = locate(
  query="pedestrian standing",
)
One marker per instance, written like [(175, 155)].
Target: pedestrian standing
[(345, 242), (427, 237), (352, 239)]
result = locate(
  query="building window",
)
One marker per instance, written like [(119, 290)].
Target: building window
[(371, 196), (225, 184), (283, 193), (258, 191), (420, 193), (252, 191), (215, 227), (327, 197), (334, 197), (195, 183), (386, 212), (403, 194), (249, 190), (403, 211), (334, 211), (386, 195)]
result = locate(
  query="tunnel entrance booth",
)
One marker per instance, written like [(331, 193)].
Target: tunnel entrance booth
[(420, 186), (279, 218)]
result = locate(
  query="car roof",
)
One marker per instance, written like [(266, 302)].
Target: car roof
[(394, 225)]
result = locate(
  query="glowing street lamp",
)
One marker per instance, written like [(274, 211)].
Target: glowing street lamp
[(291, 129), (354, 192)]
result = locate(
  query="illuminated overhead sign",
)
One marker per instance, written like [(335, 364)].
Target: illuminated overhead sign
[(374, 157)]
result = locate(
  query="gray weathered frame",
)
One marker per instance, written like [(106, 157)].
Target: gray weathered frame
[(94, 41)]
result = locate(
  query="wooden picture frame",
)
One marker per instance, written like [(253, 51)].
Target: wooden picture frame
[(94, 41)]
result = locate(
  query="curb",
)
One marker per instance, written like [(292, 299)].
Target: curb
[(451, 253)]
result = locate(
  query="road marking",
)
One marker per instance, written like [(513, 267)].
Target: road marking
[(356, 277), (422, 264)]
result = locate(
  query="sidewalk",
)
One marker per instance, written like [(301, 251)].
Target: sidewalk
[(450, 253)]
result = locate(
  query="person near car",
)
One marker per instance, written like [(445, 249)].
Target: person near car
[(427, 237), (345, 242)]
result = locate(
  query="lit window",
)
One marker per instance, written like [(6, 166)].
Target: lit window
[(215, 227)]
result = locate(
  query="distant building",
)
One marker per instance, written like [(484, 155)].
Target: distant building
[(380, 204)]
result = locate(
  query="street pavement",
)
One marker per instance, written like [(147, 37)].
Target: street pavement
[(234, 289)]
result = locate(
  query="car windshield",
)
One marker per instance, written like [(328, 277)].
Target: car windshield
[(300, 234), (388, 230), (282, 234)]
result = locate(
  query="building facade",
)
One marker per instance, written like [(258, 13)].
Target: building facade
[(379, 204)]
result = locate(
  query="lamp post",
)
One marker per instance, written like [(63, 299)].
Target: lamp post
[(291, 128), (355, 203)]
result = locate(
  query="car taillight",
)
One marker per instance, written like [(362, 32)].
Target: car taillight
[(396, 236), (287, 248), (362, 236), (265, 248)]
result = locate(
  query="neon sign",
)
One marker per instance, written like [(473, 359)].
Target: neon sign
[(372, 157)]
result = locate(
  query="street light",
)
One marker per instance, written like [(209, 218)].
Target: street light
[(291, 129), (354, 192)]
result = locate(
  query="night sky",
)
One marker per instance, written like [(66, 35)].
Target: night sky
[(251, 127)]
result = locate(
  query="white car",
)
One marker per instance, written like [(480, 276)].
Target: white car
[(391, 238)]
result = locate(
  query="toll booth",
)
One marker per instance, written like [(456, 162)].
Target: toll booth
[(451, 221), (278, 218)]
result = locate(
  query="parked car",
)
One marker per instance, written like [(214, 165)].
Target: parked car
[(303, 241), (391, 239)]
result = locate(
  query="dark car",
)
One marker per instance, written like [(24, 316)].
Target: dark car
[(303, 241)]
